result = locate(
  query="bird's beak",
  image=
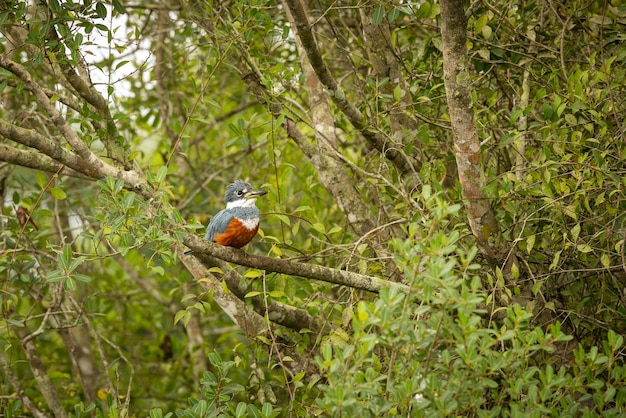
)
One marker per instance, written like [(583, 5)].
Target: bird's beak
[(253, 194)]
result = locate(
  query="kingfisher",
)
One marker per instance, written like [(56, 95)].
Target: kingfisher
[(236, 225)]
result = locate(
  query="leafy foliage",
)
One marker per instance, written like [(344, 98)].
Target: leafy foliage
[(122, 124)]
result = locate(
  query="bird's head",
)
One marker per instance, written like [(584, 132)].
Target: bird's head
[(241, 194)]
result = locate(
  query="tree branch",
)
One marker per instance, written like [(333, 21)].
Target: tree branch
[(457, 81), (354, 115), (15, 382), (36, 160), (91, 165), (292, 268), (252, 323), (34, 139), (249, 321), (39, 372), (279, 313)]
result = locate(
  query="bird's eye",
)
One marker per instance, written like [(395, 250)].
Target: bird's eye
[(239, 192)]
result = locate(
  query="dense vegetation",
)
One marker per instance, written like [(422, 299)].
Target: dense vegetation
[(443, 235)]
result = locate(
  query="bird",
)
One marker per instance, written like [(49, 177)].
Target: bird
[(236, 225)]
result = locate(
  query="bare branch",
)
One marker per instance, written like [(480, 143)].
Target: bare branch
[(33, 139), (293, 268), (249, 321), (35, 160)]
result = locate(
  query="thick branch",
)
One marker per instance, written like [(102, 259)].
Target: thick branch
[(279, 313), (78, 77), (92, 166), (354, 115), (457, 79), (33, 139), (35, 160), (332, 173), (293, 268), (249, 321), (386, 64), (39, 372)]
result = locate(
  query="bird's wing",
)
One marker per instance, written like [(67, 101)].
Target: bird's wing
[(218, 224)]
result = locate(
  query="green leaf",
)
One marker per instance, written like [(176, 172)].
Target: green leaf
[(57, 193), (184, 315), (241, 409), (397, 93), (486, 31), (128, 200), (15, 322), (76, 262), (530, 243), (301, 209), (188, 296), (266, 410), (253, 274), (156, 413), (42, 179), (335, 229), (101, 10), (252, 294), (161, 174), (64, 258), (263, 339), (70, 284), (82, 278), (276, 250), (393, 14), (555, 260), (158, 270), (119, 7), (177, 216), (55, 276), (283, 218), (604, 259), (379, 14)]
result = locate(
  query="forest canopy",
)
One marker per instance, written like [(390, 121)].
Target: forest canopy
[(443, 232)]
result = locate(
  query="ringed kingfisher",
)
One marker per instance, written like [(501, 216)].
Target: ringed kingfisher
[(236, 225)]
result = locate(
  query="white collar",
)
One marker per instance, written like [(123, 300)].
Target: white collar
[(241, 203)]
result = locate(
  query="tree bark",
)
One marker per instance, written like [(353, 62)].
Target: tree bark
[(38, 368), (457, 82), (292, 268)]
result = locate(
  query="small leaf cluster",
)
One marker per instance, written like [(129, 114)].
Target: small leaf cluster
[(132, 222), (66, 273)]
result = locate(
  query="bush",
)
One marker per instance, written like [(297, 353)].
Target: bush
[(438, 352)]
